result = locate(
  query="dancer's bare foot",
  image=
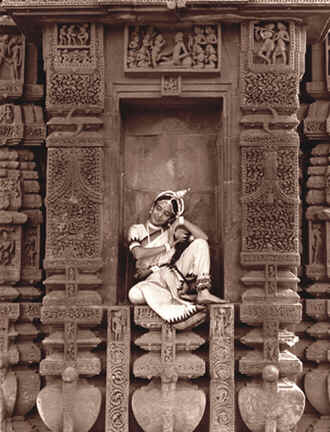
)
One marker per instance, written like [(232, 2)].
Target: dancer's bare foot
[(205, 297)]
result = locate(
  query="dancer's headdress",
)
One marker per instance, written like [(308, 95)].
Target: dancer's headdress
[(174, 198)]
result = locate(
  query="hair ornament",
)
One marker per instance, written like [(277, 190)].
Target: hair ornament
[(175, 196)]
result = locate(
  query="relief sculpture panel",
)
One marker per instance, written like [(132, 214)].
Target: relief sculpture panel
[(188, 48)]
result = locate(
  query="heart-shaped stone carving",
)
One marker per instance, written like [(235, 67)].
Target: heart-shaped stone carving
[(86, 406), (316, 389), (188, 407), (258, 406)]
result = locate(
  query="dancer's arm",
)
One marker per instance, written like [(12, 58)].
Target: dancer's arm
[(195, 231)]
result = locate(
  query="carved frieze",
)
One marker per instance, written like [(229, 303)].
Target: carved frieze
[(185, 48), (75, 67)]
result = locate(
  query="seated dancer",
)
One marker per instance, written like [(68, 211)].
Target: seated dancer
[(164, 277)]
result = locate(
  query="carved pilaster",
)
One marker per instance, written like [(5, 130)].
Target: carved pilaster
[(75, 88), (318, 271), (118, 369), (222, 369), (73, 54), (271, 66), (20, 221)]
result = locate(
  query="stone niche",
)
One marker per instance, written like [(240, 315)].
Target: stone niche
[(170, 146)]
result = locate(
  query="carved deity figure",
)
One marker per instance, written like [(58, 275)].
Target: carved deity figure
[(3, 47), (83, 35), (158, 45), (281, 37), (172, 258), (62, 35), (71, 34), (181, 56), (266, 33), (7, 248), (117, 325), (15, 52), (316, 244), (6, 114)]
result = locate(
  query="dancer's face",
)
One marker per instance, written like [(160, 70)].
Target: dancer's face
[(161, 213)]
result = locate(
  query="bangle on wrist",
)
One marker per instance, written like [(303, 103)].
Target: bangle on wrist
[(181, 220), (167, 247)]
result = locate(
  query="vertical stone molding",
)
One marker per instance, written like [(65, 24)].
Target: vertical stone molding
[(318, 272), (222, 369), (271, 65), (118, 369)]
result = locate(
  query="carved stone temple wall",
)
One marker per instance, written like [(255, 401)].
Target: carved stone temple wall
[(105, 103)]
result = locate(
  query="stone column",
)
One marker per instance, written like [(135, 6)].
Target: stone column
[(22, 131), (317, 218), (73, 58), (272, 60)]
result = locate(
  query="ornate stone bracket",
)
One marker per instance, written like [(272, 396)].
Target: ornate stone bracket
[(68, 354)]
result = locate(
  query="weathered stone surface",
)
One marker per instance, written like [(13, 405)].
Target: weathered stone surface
[(258, 407), (87, 401), (149, 407)]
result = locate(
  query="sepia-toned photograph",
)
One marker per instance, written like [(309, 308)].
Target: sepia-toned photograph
[(165, 216)]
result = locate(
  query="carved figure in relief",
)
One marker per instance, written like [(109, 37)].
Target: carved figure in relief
[(6, 114), (196, 49), (166, 274), (7, 248), (281, 37), (181, 55), (3, 47), (275, 39), (316, 244), (211, 56), (211, 37), (62, 35), (266, 33), (83, 34), (30, 252), (15, 55), (117, 325), (71, 35), (156, 49)]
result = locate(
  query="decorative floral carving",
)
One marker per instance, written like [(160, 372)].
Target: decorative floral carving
[(75, 89), (74, 203), (271, 89), (222, 412), (118, 372), (171, 85)]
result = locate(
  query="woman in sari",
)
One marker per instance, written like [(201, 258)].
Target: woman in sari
[(164, 278)]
